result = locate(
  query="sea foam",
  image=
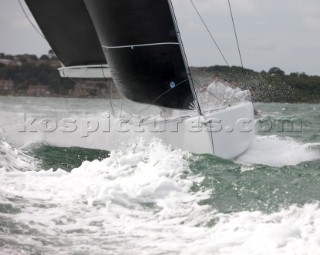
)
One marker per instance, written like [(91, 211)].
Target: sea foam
[(278, 151), (140, 200)]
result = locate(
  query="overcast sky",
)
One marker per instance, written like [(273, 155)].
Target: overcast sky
[(281, 33)]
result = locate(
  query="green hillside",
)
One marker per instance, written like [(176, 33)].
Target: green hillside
[(271, 86)]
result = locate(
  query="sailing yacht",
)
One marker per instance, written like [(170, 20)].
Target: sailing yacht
[(138, 44)]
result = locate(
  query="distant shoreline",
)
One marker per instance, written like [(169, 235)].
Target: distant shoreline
[(100, 98), (28, 75)]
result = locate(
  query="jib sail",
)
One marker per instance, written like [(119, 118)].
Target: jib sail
[(141, 45), (68, 28)]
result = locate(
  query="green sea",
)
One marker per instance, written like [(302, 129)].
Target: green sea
[(64, 193)]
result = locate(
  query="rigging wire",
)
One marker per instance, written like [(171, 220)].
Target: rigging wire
[(109, 92), (235, 33), (208, 30), (96, 94), (185, 58), (120, 115), (169, 90), (40, 33), (92, 91), (156, 99), (34, 26)]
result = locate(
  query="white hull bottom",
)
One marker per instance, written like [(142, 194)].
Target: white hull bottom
[(226, 133)]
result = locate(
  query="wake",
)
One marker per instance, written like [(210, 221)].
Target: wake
[(278, 151)]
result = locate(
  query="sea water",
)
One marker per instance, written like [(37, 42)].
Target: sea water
[(142, 197)]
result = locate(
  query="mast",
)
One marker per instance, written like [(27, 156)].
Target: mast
[(184, 57)]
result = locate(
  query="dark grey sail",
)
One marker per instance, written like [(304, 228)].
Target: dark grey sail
[(68, 29), (141, 45)]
